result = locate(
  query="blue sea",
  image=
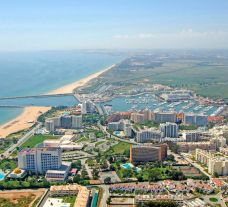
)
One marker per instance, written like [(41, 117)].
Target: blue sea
[(33, 73)]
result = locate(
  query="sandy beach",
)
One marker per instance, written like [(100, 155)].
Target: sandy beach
[(30, 114)]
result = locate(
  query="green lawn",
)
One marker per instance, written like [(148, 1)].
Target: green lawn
[(120, 148), (69, 199), (36, 139)]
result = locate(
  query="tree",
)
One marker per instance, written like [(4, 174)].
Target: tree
[(95, 174), (76, 179), (177, 175), (154, 175), (107, 180), (77, 165), (216, 174), (108, 201)]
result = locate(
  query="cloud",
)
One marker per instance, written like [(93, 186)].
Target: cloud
[(181, 39), (189, 33)]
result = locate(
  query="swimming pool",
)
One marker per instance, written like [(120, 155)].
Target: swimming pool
[(127, 166), (2, 176)]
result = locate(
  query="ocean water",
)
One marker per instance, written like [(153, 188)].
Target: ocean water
[(32, 73)]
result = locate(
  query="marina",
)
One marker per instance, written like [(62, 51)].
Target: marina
[(149, 101)]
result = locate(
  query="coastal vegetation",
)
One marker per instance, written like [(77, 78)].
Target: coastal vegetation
[(206, 74)]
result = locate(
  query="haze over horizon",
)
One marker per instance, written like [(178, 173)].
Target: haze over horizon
[(66, 25)]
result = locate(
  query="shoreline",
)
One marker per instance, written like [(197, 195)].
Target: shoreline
[(30, 114)]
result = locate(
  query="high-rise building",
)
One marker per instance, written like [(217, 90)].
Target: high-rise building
[(147, 114), (216, 164), (65, 121), (122, 125), (76, 122), (162, 117), (147, 135), (195, 119), (50, 125), (40, 159), (137, 117), (148, 152), (169, 130), (192, 136), (87, 107)]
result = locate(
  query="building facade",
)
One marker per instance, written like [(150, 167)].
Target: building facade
[(169, 130), (148, 152)]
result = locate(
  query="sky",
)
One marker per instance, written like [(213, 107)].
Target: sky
[(112, 24)]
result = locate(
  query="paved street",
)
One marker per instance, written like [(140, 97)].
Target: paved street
[(23, 139), (218, 196), (196, 165)]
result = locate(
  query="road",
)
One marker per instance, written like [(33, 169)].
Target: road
[(23, 139), (103, 129), (44, 199), (218, 196), (197, 166), (105, 196)]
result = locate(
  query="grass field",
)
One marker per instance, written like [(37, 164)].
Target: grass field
[(36, 139), (119, 148), (69, 199)]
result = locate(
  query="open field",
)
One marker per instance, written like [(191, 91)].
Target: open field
[(36, 139), (20, 198), (205, 72), (119, 148), (188, 171)]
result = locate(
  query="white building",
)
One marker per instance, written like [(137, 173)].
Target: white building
[(87, 107), (163, 117), (195, 119), (192, 136), (41, 159), (122, 125), (148, 135), (215, 164), (76, 122), (65, 121), (65, 143), (59, 175), (169, 130)]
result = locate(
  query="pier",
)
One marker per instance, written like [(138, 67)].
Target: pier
[(38, 96), (15, 105)]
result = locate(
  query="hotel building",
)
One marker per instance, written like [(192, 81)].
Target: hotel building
[(148, 152), (169, 130), (66, 122), (41, 160), (163, 117), (147, 135)]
